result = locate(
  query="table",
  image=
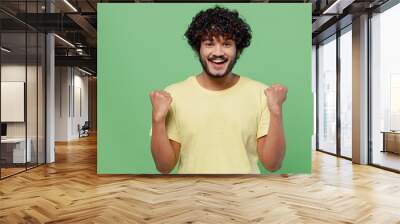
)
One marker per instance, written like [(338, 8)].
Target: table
[(391, 141), (16, 147)]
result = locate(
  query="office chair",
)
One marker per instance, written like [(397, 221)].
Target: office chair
[(84, 130)]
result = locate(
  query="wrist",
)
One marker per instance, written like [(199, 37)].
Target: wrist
[(275, 111), (158, 119), (276, 116)]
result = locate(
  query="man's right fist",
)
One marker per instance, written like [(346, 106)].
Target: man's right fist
[(161, 103)]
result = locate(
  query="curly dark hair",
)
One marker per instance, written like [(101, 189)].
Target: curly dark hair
[(218, 21)]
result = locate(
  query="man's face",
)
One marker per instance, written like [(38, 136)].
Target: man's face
[(217, 56)]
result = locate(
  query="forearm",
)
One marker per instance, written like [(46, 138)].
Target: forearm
[(272, 149), (162, 151)]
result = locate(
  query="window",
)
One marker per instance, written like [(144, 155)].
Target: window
[(346, 93), (327, 95), (385, 88)]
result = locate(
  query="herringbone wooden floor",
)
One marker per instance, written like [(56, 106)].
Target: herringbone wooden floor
[(70, 191)]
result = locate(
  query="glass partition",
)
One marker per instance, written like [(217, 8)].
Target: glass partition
[(22, 77), (14, 153)]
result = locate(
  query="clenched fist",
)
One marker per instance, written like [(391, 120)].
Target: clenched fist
[(276, 95), (161, 103)]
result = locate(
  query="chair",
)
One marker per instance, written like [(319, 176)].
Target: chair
[(84, 130)]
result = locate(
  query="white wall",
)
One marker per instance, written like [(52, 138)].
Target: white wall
[(70, 83), (62, 81), (80, 89), (16, 72)]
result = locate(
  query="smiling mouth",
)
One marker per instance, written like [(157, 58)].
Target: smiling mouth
[(218, 61)]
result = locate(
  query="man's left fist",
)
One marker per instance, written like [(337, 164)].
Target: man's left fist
[(276, 95)]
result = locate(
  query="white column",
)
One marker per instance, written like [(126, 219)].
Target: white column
[(360, 90), (50, 92), (50, 100)]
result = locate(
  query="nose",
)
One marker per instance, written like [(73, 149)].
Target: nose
[(218, 51)]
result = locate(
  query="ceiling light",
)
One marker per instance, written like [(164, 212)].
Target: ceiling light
[(84, 71), (5, 50), (337, 7), (329, 9), (64, 40), (70, 5)]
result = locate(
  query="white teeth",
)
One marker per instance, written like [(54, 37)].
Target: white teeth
[(218, 61)]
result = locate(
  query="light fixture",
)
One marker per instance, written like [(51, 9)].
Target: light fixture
[(64, 40), (79, 51), (70, 5), (84, 71), (337, 7), (5, 50)]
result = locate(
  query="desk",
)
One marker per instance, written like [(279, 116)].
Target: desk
[(17, 150), (391, 141)]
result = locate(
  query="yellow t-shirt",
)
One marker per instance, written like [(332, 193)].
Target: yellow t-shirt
[(217, 130)]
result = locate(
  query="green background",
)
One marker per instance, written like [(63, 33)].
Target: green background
[(141, 47)]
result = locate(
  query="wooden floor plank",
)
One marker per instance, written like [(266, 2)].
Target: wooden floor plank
[(70, 191)]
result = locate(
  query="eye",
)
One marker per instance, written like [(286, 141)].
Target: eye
[(227, 44), (208, 44)]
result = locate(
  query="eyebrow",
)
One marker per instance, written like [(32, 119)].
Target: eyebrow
[(224, 40)]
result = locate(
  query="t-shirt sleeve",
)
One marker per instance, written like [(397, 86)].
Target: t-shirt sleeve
[(263, 124)]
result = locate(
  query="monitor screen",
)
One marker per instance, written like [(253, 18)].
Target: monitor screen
[(3, 129)]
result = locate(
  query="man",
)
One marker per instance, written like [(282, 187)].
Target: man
[(218, 122)]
